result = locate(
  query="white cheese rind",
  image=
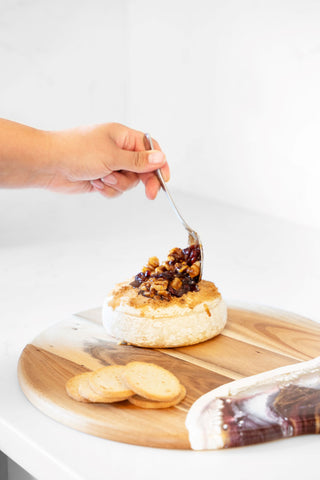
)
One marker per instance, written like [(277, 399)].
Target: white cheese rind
[(172, 330)]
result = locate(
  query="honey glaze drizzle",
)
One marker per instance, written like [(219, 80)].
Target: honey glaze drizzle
[(178, 275)]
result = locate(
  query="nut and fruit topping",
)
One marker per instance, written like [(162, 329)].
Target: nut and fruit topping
[(178, 275)]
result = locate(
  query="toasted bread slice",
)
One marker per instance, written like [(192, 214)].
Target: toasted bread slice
[(145, 403), (87, 392), (151, 381), (108, 382), (72, 386)]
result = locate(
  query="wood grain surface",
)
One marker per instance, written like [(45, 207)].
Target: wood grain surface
[(254, 340)]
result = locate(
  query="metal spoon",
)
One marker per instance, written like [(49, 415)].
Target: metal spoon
[(193, 237)]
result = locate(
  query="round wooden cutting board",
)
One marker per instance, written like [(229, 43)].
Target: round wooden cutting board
[(254, 340)]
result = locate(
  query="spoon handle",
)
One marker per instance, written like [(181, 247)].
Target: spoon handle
[(165, 188)]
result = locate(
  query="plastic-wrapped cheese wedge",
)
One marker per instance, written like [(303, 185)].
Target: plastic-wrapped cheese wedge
[(280, 403)]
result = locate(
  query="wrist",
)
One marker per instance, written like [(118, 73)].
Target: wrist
[(37, 160)]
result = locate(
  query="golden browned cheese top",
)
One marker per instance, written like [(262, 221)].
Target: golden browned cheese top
[(124, 292)]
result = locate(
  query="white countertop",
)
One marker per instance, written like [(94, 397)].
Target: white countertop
[(61, 254)]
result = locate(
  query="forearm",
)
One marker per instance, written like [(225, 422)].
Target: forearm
[(109, 158), (24, 155)]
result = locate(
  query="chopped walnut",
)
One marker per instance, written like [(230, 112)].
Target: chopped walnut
[(169, 266), (177, 253), (159, 285), (153, 262), (183, 268), (176, 283), (194, 270), (160, 269)]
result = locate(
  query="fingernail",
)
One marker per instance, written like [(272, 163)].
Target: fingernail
[(166, 176), (97, 184), (156, 157), (109, 179)]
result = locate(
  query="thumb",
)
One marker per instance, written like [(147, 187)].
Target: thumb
[(138, 161)]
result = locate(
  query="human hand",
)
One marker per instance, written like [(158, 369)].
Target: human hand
[(108, 158)]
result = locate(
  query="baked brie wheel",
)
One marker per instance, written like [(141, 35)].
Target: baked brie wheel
[(152, 322), (166, 305)]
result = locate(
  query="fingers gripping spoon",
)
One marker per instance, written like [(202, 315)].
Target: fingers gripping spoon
[(193, 237)]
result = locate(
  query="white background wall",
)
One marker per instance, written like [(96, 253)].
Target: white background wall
[(230, 88)]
